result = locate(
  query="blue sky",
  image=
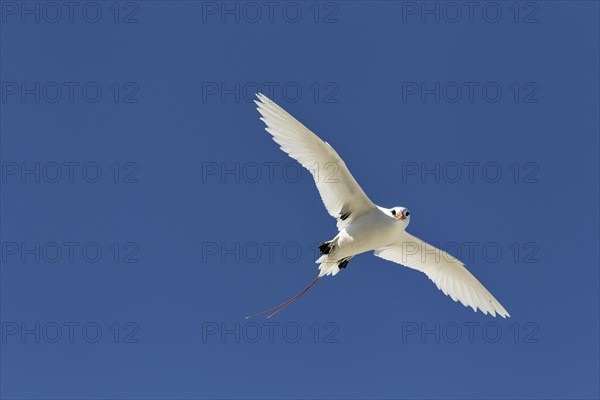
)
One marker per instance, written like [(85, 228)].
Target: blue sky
[(145, 210)]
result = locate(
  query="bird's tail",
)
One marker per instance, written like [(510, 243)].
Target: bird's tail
[(283, 305), (327, 266)]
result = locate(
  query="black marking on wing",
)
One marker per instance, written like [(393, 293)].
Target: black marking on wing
[(345, 213)]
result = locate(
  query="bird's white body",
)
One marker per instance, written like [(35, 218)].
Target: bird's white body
[(373, 230), (364, 226)]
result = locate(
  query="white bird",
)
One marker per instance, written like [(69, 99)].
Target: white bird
[(364, 226)]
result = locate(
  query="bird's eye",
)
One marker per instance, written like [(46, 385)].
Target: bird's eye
[(407, 213), (394, 213)]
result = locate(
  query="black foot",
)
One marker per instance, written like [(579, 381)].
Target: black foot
[(343, 263), (325, 248)]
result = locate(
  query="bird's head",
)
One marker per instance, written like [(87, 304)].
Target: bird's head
[(401, 214)]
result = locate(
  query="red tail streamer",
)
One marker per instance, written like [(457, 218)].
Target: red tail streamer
[(283, 305)]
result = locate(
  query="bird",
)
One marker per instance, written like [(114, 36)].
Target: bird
[(362, 225)]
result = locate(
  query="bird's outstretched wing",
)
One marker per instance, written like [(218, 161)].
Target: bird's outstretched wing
[(448, 273), (344, 199)]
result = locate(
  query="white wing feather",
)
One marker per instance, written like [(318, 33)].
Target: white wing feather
[(341, 194), (448, 273)]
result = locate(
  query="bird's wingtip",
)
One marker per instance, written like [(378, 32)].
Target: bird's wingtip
[(264, 99)]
